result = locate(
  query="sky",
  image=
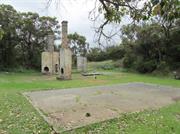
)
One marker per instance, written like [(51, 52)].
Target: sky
[(76, 12)]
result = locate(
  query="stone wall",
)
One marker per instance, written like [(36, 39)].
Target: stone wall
[(49, 58), (50, 62), (65, 63), (82, 64)]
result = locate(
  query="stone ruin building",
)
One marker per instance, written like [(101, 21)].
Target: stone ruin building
[(82, 64), (49, 58), (58, 62)]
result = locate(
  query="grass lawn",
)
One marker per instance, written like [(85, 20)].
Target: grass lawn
[(17, 115)]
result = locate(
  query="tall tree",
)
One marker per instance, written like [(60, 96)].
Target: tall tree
[(23, 36), (167, 12), (9, 23), (33, 35)]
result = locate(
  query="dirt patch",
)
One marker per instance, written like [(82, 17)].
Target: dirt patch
[(72, 108)]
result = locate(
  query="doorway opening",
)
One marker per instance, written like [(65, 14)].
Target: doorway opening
[(62, 70), (46, 69)]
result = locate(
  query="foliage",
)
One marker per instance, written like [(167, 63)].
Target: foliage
[(79, 45), (109, 53), (24, 37), (9, 24), (1, 33), (151, 43), (168, 13), (96, 54), (114, 10), (144, 48), (147, 48)]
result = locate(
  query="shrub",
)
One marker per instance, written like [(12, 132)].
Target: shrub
[(146, 66), (128, 60)]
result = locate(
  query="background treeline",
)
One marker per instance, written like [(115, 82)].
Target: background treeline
[(23, 38), (145, 47)]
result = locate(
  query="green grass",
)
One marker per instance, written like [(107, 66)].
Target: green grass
[(17, 115)]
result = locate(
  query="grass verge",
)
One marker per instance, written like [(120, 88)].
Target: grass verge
[(17, 116)]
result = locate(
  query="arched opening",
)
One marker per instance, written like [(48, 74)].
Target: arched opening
[(56, 68), (62, 70), (46, 69)]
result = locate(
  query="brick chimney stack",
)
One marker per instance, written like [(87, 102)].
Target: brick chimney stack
[(65, 34)]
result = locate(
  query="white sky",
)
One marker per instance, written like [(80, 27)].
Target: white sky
[(74, 11)]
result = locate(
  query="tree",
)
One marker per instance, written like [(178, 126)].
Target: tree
[(23, 36), (1, 33), (173, 47), (96, 54), (167, 12), (79, 44), (9, 26), (137, 10), (33, 34)]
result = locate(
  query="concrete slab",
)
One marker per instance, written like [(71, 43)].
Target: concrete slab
[(71, 108)]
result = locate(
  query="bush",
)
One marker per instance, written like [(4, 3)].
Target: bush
[(110, 53), (128, 61), (118, 63), (146, 66), (100, 56), (115, 52)]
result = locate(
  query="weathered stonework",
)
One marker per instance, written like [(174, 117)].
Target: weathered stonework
[(65, 63), (50, 63), (50, 59), (82, 64), (65, 55)]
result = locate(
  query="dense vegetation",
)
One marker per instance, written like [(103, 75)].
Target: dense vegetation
[(144, 48), (23, 38)]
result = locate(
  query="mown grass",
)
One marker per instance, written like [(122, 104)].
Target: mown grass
[(17, 115)]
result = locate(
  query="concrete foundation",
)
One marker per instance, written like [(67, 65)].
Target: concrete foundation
[(68, 109), (82, 64)]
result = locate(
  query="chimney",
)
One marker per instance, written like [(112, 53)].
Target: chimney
[(50, 42), (64, 34)]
